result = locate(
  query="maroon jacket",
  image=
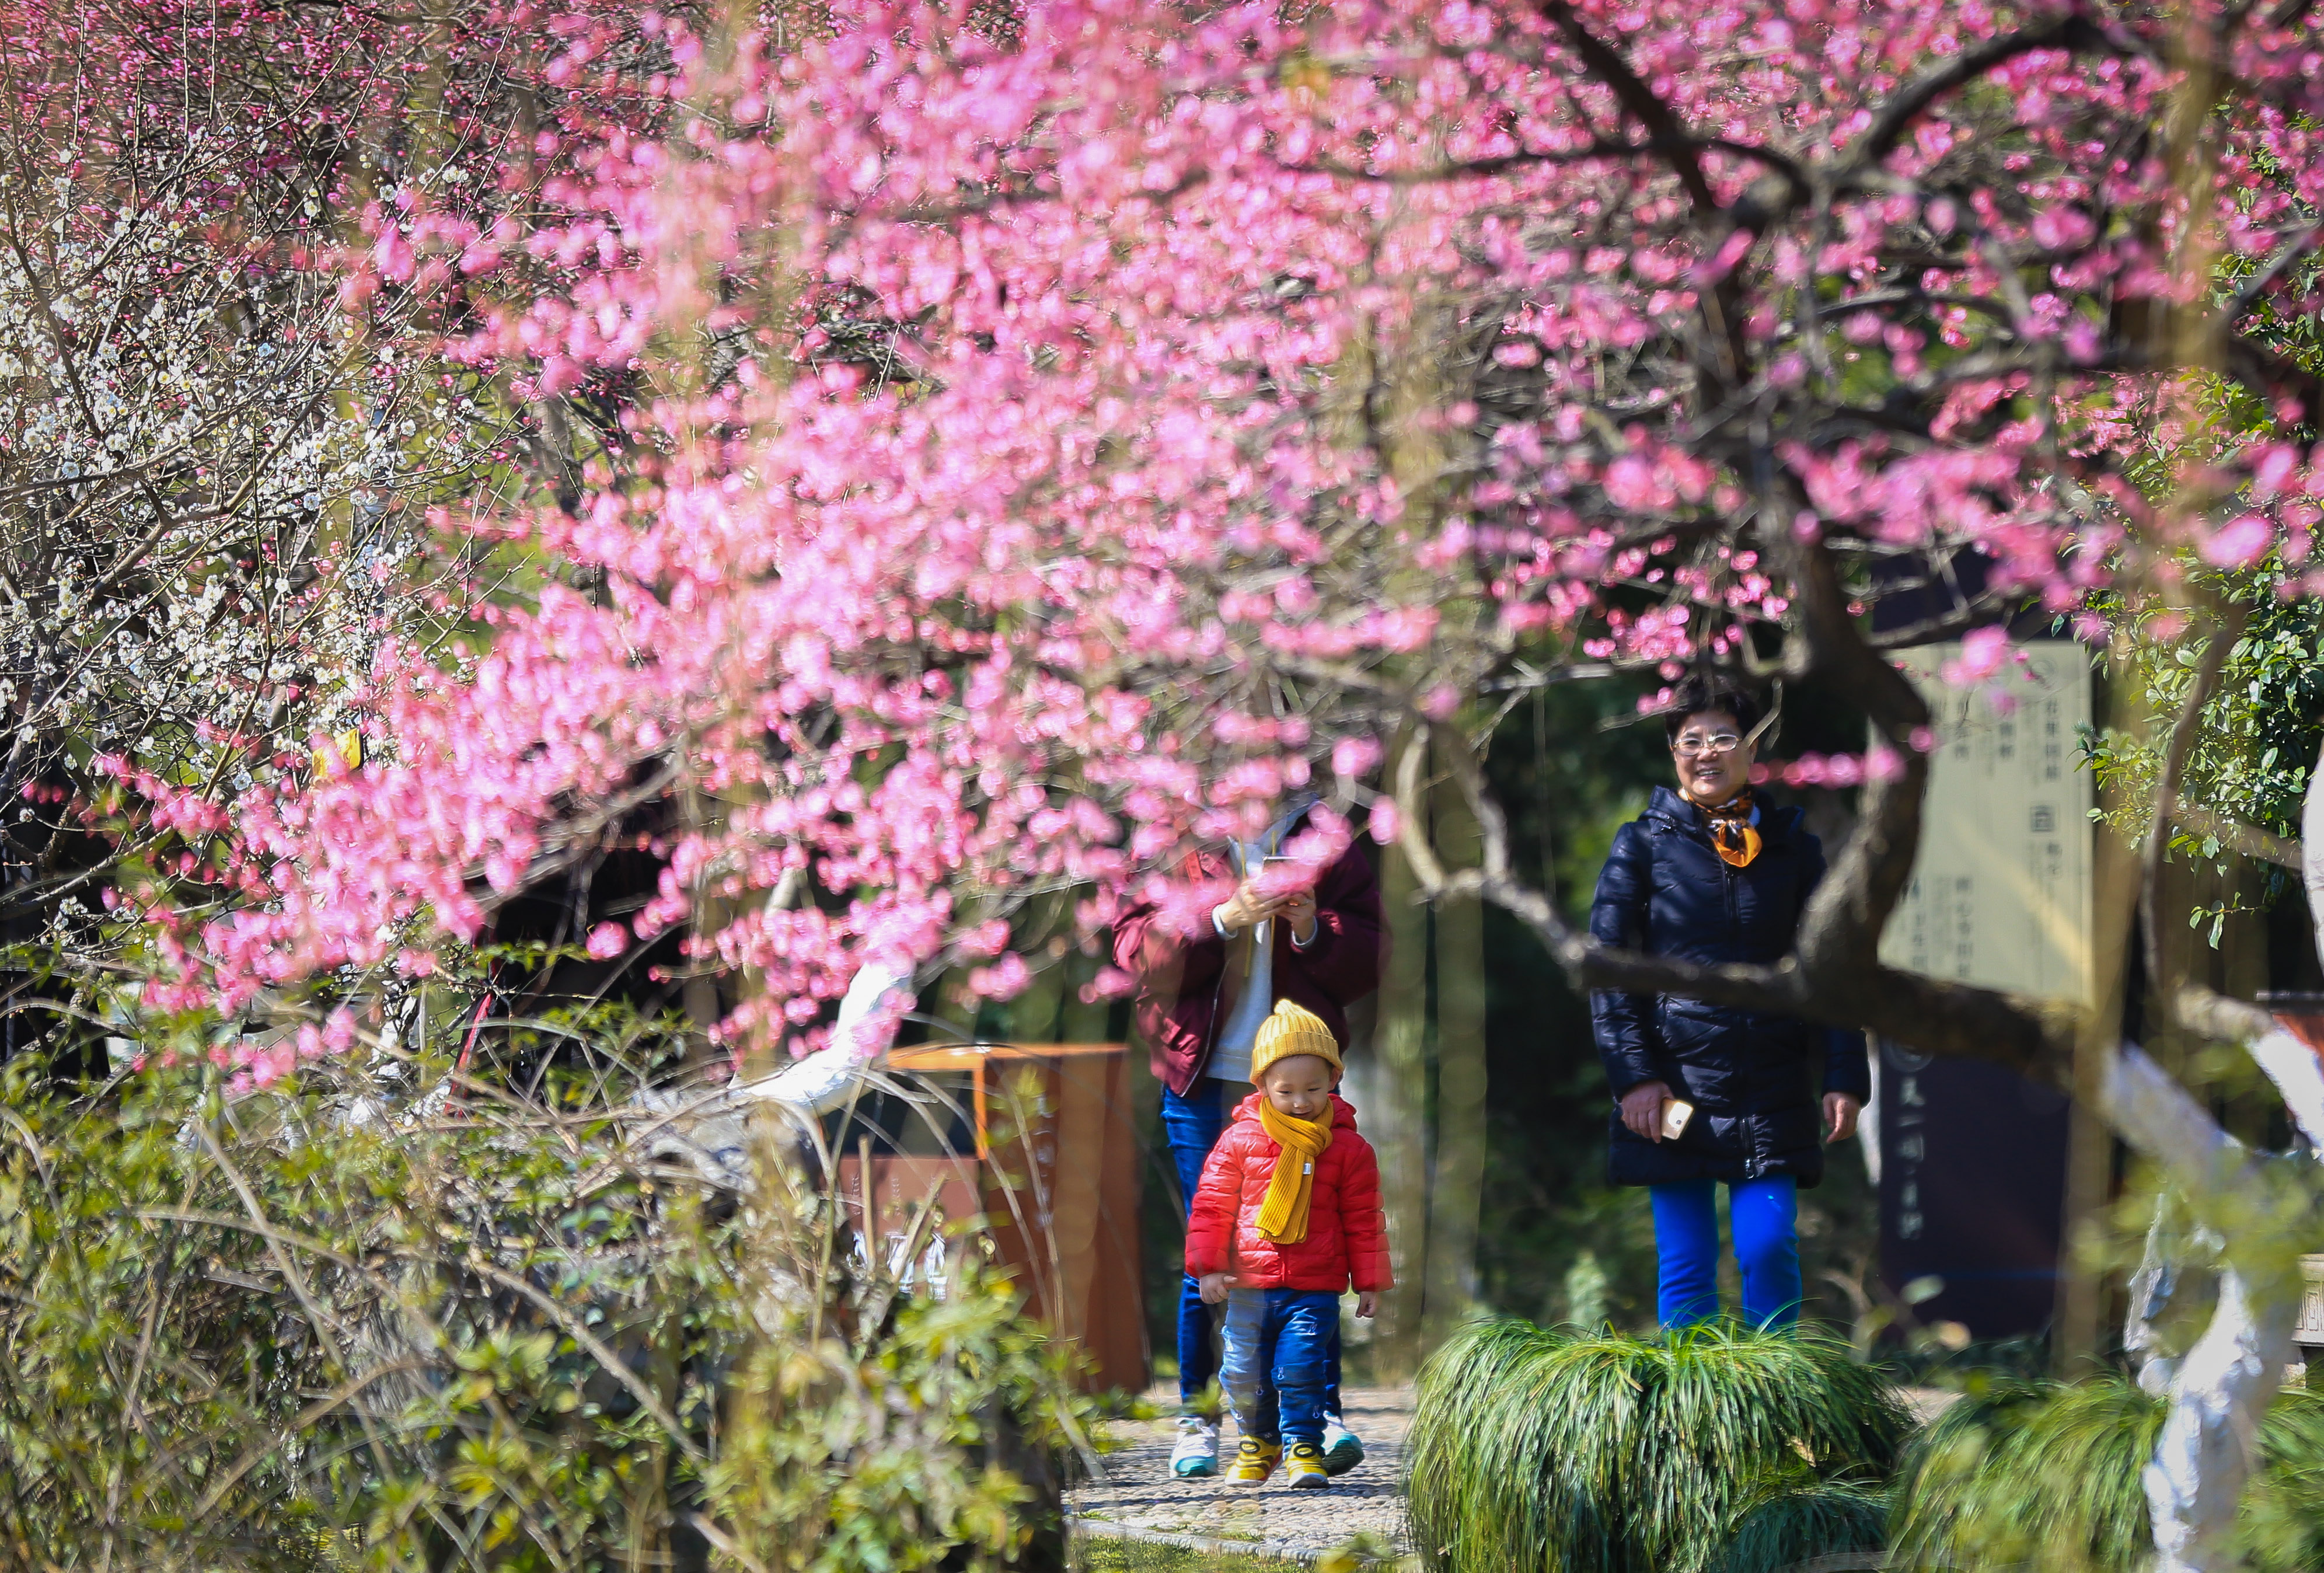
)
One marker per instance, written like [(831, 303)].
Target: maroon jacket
[(1186, 987), (1347, 1237)]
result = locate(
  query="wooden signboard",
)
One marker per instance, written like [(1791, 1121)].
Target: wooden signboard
[(1972, 1158), (2001, 892)]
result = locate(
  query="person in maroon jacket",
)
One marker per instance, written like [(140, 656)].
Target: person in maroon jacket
[(1287, 1219), (1201, 998)]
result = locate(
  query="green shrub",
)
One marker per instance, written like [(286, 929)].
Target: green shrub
[(1605, 1454), (338, 1323)]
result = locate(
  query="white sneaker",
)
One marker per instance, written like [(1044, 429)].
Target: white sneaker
[(1342, 1448), (1196, 1456)]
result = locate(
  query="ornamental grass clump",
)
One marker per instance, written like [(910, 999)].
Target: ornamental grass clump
[(2046, 1477), (1607, 1454), (1799, 1515), (2032, 1472)]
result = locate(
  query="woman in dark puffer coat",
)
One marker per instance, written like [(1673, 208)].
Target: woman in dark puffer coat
[(1709, 874)]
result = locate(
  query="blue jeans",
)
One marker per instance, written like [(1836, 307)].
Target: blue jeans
[(1765, 1216), (1192, 1125), (1279, 1344)]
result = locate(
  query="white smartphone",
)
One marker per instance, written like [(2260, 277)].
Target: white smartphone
[(1675, 1115)]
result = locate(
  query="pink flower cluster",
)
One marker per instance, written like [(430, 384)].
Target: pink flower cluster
[(1043, 446)]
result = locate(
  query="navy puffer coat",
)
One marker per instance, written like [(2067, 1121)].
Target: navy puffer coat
[(1750, 1076)]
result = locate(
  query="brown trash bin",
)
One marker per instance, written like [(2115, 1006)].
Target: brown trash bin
[(1055, 1172)]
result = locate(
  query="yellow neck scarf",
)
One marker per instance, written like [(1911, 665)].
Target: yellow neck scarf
[(1283, 1216)]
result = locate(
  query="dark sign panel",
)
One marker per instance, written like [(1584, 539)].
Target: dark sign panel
[(1972, 1189)]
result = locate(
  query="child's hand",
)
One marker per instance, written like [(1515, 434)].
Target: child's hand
[(1213, 1286), (1367, 1303)]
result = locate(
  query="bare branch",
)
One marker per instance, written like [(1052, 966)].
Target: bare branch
[(1840, 932), (2215, 1015), (2297, 1073)]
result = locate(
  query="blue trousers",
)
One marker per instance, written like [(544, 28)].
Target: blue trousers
[(1765, 1216), (1190, 1125), (1279, 1344)]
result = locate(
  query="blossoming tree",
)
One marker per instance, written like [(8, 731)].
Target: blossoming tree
[(1030, 438), (202, 469)]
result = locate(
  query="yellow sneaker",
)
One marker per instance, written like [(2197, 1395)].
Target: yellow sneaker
[(1305, 1470), (1254, 1461)]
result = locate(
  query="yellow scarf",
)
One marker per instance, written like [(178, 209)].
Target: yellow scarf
[(1283, 1216)]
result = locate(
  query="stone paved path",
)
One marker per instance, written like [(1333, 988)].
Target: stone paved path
[(1138, 1496)]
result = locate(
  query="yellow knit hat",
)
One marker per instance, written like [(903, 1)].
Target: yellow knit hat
[(1293, 1029)]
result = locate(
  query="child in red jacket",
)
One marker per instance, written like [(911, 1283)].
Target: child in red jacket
[(1287, 1218)]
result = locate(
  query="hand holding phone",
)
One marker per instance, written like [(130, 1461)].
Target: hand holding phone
[(1295, 906), (1642, 1109)]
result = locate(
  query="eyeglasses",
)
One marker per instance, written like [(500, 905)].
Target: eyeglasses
[(1695, 746)]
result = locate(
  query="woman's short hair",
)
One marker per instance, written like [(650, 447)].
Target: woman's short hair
[(1700, 695)]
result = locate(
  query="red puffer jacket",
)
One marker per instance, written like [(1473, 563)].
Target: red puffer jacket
[(1347, 1237)]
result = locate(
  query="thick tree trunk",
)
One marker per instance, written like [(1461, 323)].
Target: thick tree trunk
[(1455, 1195), (1397, 1124), (2163, 1272), (2090, 1142), (2222, 1389), (2195, 1480)]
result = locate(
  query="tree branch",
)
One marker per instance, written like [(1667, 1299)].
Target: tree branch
[(2256, 286), (1606, 63), (2029, 1036), (2214, 1015), (2250, 841), (2297, 1073), (2228, 626), (1597, 148), (1840, 932), (1914, 99)]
